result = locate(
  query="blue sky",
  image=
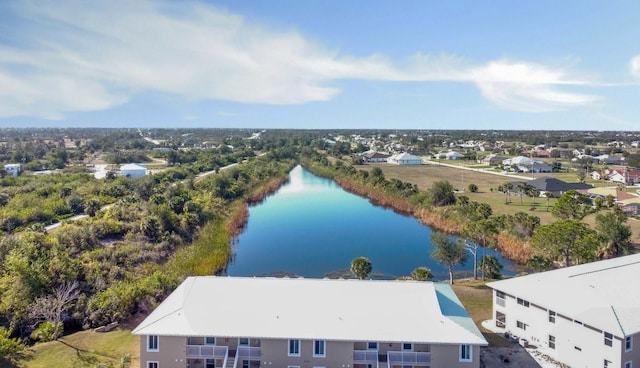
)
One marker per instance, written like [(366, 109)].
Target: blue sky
[(397, 64)]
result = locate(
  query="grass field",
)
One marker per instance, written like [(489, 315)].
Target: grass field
[(477, 300), (83, 349), (425, 175)]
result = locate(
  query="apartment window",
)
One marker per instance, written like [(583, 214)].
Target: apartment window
[(552, 316), (552, 342), (152, 343), (153, 364), (210, 363), (628, 364), (407, 346), (521, 325), (466, 353), (608, 339), (245, 364), (372, 345), (523, 302), (628, 343), (294, 347), (500, 298), (243, 341), (209, 340), (319, 347)]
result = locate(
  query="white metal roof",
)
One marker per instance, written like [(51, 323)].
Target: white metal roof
[(603, 294), (340, 310)]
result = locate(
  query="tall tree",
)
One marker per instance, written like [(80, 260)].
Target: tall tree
[(548, 196), (481, 233), (506, 189), (51, 307), (614, 233), (522, 187), (361, 267), (442, 193), (448, 252), (570, 240), (571, 205)]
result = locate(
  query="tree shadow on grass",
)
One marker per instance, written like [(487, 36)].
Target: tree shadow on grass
[(88, 357), (12, 362)]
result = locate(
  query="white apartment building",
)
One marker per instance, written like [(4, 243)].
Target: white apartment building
[(309, 323), (584, 316)]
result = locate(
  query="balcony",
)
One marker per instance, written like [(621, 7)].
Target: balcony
[(365, 357), (408, 358), (246, 353), (207, 351)]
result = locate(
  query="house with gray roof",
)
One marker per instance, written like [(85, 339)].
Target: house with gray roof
[(211, 321), (555, 186), (583, 316)]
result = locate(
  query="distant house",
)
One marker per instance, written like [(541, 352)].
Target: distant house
[(624, 176), (133, 170), (595, 175), (375, 157), (404, 159), (555, 186), (13, 169), (493, 159), (582, 316), (536, 167), (631, 209), (610, 160), (309, 323), (453, 155), (517, 161)]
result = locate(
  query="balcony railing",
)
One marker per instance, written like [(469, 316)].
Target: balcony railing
[(246, 353), (408, 358), (207, 351), (365, 356)]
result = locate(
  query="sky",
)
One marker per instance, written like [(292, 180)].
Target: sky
[(321, 64)]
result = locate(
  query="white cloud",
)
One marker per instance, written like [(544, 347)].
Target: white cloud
[(527, 87), (86, 56), (634, 66)]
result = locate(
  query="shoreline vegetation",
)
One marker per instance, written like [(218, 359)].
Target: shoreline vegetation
[(438, 218)]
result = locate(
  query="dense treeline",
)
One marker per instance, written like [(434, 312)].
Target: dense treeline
[(128, 257)]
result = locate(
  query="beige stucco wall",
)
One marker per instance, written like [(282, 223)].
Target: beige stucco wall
[(446, 356), (634, 354), (172, 352), (275, 354)]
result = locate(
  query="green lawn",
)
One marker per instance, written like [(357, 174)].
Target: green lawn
[(477, 300), (83, 349)]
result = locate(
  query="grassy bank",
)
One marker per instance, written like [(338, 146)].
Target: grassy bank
[(477, 300), (83, 349)]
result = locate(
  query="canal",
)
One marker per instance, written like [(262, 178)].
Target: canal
[(311, 227)]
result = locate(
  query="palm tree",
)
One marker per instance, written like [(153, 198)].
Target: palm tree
[(361, 267), (547, 195), (521, 189)]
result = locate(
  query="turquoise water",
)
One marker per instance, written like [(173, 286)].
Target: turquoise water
[(313, 228)]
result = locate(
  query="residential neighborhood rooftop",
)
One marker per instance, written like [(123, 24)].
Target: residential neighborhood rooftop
[(347, 310)]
